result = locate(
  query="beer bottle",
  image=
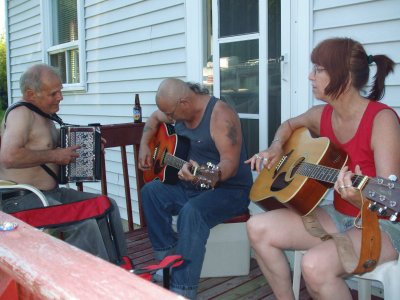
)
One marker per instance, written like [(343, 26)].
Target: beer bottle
[(137, 110)]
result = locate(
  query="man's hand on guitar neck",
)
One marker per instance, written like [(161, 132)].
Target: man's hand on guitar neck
[(188, 171), (205, 177)]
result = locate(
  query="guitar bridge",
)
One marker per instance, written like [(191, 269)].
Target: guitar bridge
[(281, 163), (155, 153)]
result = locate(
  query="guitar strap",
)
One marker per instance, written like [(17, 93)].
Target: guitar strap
[(370, 241)]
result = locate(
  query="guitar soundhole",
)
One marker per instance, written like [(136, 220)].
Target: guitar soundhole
[(279, 183), (283, 179)]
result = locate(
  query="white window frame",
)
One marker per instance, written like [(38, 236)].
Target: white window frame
[(48, 49), (195, 44), (296, 44), (296, 48)]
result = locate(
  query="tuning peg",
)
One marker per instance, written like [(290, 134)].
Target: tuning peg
[(373, 206), (393, 217), (204, 186), (392, 177), (210, 165), (382, 211)]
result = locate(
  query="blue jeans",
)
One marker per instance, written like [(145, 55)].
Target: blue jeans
[(198, 211)]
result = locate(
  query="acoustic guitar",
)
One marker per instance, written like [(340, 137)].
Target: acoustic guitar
[(309, 167), (169, 153)]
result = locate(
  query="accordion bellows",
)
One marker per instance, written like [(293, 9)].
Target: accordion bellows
[(86, 167)]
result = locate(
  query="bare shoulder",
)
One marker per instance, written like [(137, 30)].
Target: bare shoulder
[(386, 116), (225, 125), (385, 142), (386, 121), (20, 117), (315, 112), (223, 112), (310, 119), (26, 128)]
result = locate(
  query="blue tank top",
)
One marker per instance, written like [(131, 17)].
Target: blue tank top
[(203, 149)]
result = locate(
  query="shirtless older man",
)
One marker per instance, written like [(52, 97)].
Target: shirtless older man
[(29, 140)]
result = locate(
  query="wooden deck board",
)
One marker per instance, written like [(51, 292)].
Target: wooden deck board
[(250, 287)]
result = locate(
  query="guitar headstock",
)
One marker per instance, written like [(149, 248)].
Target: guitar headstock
[(206, 176), (385, 196)]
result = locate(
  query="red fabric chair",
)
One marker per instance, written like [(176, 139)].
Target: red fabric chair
[(48, 217)]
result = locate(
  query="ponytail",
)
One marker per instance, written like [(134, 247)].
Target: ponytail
[(384, 66)]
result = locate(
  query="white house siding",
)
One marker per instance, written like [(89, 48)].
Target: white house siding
[(130, 47), (24, 40), (376, 24)]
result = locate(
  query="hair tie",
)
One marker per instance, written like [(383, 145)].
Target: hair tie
[(370, 59)]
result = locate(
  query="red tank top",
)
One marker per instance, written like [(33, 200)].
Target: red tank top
[(358, 148)]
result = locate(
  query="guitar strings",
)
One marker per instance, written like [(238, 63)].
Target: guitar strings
[(358, 220)]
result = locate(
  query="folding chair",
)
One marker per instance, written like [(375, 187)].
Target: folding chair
[(48, 217)]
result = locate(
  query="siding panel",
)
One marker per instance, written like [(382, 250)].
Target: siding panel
[(374, 23), (155, 58), (357, 14), (136, 35), (381, 32), (24, 40), (323, 4), (130, 46), (146, 13), (148, 47)]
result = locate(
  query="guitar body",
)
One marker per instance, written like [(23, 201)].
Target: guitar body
[(293, 190), (164, 142)]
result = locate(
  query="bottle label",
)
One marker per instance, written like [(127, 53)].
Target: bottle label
[(136, 115)]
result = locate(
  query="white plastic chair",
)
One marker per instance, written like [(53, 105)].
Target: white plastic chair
[(5, 184), (388, 274)]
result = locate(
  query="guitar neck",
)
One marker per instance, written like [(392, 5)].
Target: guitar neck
[(327, 174), (174, 161)]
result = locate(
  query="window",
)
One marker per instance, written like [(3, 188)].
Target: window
[(63, 41), (242, 66)]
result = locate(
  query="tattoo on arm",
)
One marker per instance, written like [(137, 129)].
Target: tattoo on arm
[(232, 133), (147, 127)]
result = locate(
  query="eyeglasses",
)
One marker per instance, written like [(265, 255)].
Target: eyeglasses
[(171, 114), (317, 70)]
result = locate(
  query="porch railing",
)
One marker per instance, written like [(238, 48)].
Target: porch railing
[(35, 265)]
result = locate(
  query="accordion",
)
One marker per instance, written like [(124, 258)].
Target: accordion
[(86, 167)]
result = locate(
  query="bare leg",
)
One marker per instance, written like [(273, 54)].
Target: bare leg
[(323, 271), (269, 234)]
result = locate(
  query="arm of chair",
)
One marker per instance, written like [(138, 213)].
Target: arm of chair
[(6, 184)]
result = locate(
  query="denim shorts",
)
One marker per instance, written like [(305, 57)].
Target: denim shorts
[(344, 223)]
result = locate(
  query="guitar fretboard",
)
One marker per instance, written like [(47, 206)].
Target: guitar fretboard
[(326, 174), (174, 161)]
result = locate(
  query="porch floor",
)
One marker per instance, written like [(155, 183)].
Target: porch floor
[(254, 286)]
